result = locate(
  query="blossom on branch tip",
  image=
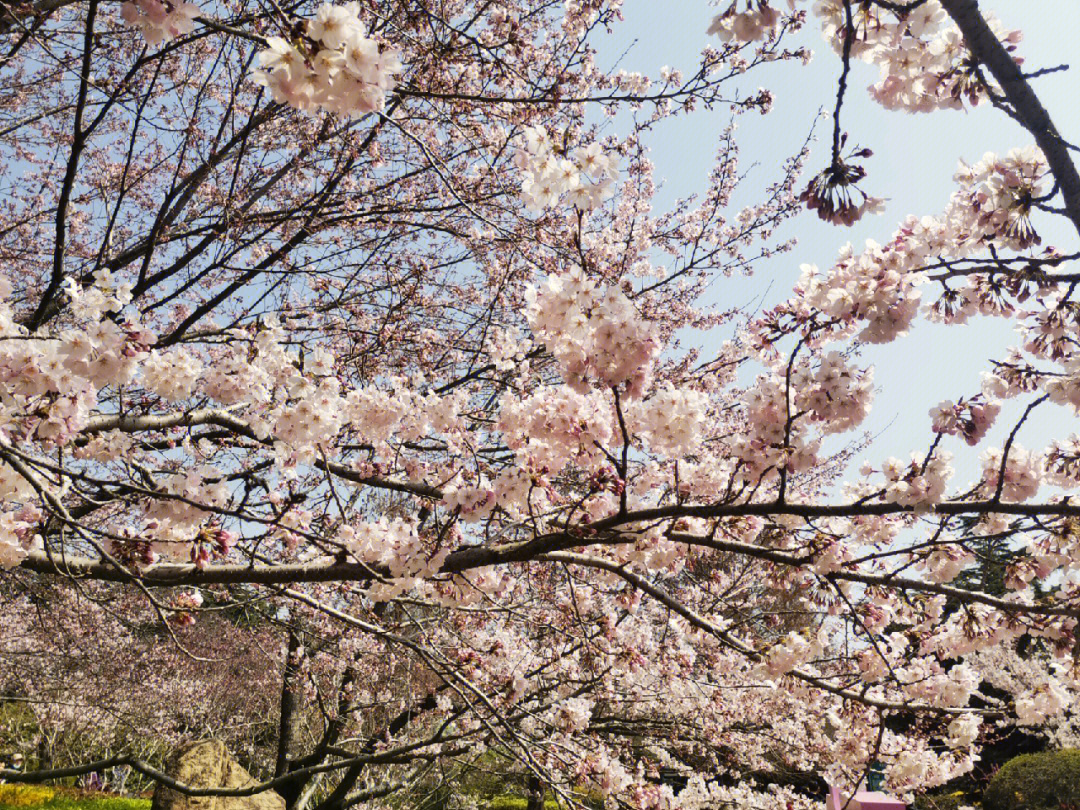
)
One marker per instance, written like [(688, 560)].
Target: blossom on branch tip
[(583, 176), (160, 20), (758, 21), (833, 193), (970, 419), (335, 65), (924, 61)]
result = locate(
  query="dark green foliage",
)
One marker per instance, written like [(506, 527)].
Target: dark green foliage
[(1046, 781), (17, 721), (940, 801), (993, 557)]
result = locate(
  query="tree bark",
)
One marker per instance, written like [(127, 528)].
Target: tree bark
[(290, 702), (536, 793)]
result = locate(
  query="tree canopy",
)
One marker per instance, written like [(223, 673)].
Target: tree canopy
[(361, 406)]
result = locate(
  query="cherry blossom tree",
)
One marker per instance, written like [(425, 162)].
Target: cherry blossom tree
[(99, 674), (363, 316)]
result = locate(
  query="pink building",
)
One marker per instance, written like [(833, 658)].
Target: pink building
[(863, 800)]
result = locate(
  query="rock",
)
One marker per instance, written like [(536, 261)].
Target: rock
[(207, 764)]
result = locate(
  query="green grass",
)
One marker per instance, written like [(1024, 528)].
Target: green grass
[(36, 797)]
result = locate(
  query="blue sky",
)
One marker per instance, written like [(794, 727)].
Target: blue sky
[(914, 159)]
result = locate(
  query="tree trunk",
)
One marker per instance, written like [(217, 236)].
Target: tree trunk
[(290, 703), (536, 793)]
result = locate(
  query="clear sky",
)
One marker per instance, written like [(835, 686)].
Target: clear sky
[(914, 159)]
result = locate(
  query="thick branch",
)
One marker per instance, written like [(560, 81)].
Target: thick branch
[(606, 533), (987, 48), (17, 14), (404, 753), (78, 143)]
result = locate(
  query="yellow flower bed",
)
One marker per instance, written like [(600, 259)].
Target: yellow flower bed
[(38, 797), (25, 795)]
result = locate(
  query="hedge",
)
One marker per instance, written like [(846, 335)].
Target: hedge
[(1046, 781)]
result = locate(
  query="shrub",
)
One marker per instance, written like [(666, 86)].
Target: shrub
[(940, 801), (1045, 781), (18, 725)]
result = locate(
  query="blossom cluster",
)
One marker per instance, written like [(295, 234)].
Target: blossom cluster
[(788, 411), (583, 176), (1045, 692), (1061, 463), (834, 395), (18, 529), (473, 503), (918, 482), (51, 383), (1035, 707), (1020, 478), (923, 59), (160, 20), (996, 197), (767, 440), (868, 287), (945, 562), (880, 286), (951, 688), (550, 429), (573, 714), (835, 195), (758, 20), (595, 332), (335, 66), (171, 375), (963, 730), (672, 419), (970, 418), (172, 522), (787, 654), (392, 544)]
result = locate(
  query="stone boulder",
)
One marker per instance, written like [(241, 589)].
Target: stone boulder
[(207, 764)]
